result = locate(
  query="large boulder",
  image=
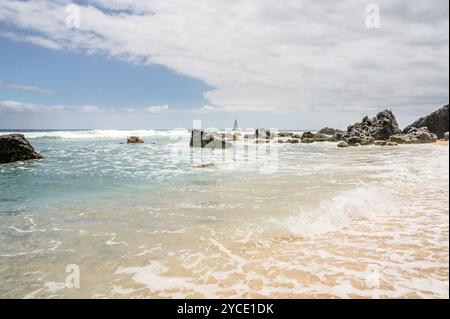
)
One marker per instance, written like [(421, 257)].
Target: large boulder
[(15, 147), (437, 122), (200, 138), (380, 127), (262, 133), (343, 144), (330, 131), (134, 140), (414, 136)]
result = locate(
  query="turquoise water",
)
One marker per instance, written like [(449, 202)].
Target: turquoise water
[(143, 221)]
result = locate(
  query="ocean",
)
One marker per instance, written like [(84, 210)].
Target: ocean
[(261, 220)]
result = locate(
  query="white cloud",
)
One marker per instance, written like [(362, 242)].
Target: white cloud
[(15, 106), (206, 109), (22, 107), (290, 55), (25, 87), (157, 109)]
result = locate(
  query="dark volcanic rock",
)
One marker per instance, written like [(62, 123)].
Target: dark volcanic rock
[(437, 122), (414, 136), (342, 144), (338, 136), (330, 131), (309, 137), (380, 127), (200, 138), (134, 140), (15, 147), (285, 134), (262, 133)]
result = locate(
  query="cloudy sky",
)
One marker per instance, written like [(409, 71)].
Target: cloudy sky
[(273, 63)]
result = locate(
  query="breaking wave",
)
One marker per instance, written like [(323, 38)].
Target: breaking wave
[(335, 213), (101, 134)]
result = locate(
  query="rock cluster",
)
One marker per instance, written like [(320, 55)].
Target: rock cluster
[(414, 136), (15, 147), (200, 138), (309, 137), (437, 122), (380, 127)]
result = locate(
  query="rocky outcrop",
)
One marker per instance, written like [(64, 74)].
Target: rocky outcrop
[(262, 133), (422, 135), (330, 131), (414, 136), (15, 147), (309, 137), (380, 127), (134, 140), (285, 134), (200, 138), (437, 122)]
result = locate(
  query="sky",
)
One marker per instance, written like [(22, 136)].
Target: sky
[(288, 64)]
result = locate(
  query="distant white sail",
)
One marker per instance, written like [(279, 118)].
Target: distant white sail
[(236, 125)]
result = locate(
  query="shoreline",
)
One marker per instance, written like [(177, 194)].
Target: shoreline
[(441, 143)]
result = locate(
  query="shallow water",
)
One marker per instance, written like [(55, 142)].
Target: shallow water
[(301, 221)]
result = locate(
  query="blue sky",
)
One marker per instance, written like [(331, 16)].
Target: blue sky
[(163, 64), (78, 79)]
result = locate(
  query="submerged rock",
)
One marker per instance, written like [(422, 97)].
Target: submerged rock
[(205, 165), (15, 147), (437, 122), (134, 140)]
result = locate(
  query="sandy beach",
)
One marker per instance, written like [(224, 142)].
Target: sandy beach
[(319, 222)]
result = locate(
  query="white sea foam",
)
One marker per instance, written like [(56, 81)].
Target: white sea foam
[(335, 213), (102, 134)]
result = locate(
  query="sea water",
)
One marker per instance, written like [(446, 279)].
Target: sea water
[(266, 220)]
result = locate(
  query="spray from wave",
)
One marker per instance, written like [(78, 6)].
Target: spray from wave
[(335, 213), (102, 134)]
